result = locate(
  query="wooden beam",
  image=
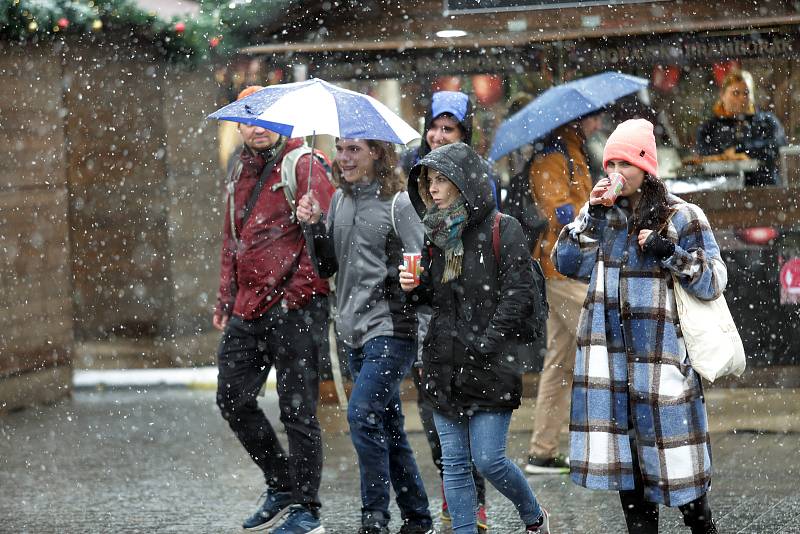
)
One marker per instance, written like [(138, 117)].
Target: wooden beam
[(520, 39)]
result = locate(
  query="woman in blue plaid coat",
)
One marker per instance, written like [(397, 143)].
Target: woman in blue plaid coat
[(638, 421)]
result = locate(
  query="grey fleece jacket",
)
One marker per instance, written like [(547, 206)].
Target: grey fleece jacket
[(361, 244)]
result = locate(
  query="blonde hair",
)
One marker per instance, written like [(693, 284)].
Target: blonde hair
[(734, 76)]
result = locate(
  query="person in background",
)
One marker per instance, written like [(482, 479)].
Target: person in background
[(484, 293), (369, 225), (560, 184), (273, 310), (638, 422), (738, 131), (449, 120)]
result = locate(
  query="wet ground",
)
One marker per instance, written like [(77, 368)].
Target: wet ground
[(163, 460)]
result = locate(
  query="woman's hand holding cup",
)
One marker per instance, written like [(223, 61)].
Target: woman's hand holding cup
[(408, 281), (598, 192), (605, 192)]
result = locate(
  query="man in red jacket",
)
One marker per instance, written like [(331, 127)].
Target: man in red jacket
[(273, 310)]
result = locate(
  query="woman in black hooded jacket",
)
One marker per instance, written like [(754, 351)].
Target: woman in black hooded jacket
[(483, 295)]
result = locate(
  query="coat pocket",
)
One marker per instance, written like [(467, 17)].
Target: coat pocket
[(476, 376)]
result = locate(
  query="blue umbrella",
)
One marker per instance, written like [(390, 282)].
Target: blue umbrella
[(560, 105), (318, 107)]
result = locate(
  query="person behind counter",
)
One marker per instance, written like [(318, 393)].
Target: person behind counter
[(737, 130)]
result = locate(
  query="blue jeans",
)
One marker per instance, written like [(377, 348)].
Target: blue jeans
[(376, 428), (480, 438)]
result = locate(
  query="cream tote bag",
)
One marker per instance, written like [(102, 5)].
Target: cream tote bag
[(712, 340)]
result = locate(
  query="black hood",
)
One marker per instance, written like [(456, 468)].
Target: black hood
[(465, 168), (466, 125)]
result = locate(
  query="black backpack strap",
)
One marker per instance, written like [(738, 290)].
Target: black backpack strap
[(251, 202), (559, 145)]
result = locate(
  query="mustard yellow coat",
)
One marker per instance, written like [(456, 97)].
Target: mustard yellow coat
[(552, 187)]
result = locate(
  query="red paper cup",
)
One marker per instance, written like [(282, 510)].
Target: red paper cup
[(613, 191), (412, 261)]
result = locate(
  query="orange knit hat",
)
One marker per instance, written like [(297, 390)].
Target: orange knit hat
[(249, 90), (633, 141)]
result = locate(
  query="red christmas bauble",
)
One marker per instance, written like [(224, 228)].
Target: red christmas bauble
[(488, 88), (447, 83), (63, 22), (214, 42), (665, 78), (180, 27)]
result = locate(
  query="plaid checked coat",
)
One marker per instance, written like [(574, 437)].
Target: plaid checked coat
[(631, 358)]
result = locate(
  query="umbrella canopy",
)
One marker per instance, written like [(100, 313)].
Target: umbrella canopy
[(560, 105), (317, 107)]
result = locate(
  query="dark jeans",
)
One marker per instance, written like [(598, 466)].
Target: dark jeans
[(376, 428), (426, 415), (291, 342), (641, 516)]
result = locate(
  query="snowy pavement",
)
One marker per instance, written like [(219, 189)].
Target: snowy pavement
[(188, 377), (163, 460)]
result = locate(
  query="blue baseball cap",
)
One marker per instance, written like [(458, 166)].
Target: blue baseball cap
[(452, 102)]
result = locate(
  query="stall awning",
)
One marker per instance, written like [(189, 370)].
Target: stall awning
[(516, 39)]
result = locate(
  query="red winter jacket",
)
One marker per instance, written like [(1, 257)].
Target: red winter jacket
[(270, 263)]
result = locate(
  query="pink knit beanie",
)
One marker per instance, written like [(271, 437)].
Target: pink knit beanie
[(633, 141)]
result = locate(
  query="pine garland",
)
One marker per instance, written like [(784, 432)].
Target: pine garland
[(217, 30)]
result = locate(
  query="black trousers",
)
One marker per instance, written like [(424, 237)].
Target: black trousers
[(291, 341), (426, 415), (641, 515)]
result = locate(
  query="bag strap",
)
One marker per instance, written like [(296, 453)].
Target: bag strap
[(666, 223), (496, 236), (251, 202), (561, 147), (394, 201), (289, 176), (233, 176)]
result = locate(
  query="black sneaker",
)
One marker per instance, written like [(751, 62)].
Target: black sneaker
[(709, 528), (411, 528), (276, 504), (373, 529), (547, 466)]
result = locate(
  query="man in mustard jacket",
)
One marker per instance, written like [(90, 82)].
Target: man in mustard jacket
[(560, 184)]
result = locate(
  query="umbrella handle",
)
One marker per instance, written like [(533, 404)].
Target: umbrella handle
[(311, 159)]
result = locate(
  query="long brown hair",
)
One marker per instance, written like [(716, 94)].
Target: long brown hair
[(653, 209), (391, 179)]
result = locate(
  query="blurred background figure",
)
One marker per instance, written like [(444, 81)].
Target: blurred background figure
[(449, 119), (560, 183), (738, 131)]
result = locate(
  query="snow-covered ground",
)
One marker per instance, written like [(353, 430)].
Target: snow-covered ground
[(195, 377)]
